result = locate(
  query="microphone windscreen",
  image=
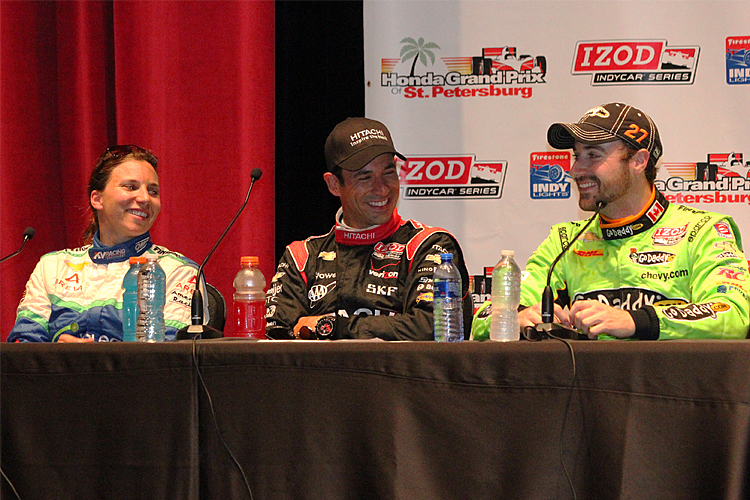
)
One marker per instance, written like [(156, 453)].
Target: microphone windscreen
[(256, 173), (29, 233)]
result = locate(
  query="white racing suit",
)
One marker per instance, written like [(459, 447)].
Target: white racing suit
[(79, 292)]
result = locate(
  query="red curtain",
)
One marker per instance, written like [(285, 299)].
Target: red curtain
[(193, 81)]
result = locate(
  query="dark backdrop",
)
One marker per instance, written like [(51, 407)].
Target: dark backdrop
[(319, 82)]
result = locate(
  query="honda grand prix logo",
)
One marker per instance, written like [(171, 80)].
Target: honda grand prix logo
[(635, 62), (501, 71), (722, 178), (451, 177)]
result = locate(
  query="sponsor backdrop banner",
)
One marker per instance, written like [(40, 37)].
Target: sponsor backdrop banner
[(469, 88)]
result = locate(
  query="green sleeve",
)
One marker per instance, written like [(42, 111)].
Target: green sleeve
[(720, 298)]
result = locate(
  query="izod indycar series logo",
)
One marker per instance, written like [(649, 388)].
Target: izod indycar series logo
[(500, 71), (635, 62), (738, 60), (722, 178), (439, 177), (549, 176)]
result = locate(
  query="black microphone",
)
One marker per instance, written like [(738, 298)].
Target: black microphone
[(197, 329), (27, 235), (547, 328)]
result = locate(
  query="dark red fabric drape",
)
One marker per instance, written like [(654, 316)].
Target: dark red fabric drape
[(193, 81)]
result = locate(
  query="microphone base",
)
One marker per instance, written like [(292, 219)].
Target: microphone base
[(198, 332), (552, 331)]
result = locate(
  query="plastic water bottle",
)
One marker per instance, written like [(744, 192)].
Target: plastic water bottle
[(152, 283), (249, 300), (506, 295), (130, 299), (446, 305)]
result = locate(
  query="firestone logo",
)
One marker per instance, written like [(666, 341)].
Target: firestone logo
[(635, 62), (722, 178), (441, 177), (738, 60), (549, 176), (500, 71)]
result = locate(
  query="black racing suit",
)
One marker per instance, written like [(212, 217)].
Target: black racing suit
[(377, 281)]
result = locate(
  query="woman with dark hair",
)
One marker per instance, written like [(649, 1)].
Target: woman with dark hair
[(75, 295)]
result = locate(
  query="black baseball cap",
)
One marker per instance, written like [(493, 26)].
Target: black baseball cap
[(607, 123), (355, 142)]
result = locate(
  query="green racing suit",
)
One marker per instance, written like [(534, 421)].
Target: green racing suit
[(680, 272)]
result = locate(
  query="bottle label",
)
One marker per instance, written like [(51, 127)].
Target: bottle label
[(444, 289), (250, 319)]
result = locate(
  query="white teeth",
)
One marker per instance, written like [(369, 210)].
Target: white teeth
[(379, 203), (138, 213)]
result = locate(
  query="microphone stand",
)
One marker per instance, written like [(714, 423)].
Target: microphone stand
[(197, 329), (27, 235), (547, 328)]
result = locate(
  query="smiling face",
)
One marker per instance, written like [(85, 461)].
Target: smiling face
[(368, 195), (610, 173), (129, 204)]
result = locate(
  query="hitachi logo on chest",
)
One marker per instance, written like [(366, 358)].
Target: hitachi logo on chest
[(350, 235)]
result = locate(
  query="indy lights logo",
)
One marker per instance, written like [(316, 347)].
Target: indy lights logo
[(498, 72), (722, 178), (549, 176), (442, 177), (635, 62), (738, 60)]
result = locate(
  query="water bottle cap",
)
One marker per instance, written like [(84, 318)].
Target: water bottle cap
[(151, 256), (249, 261), (446, 257), (137, 260), (508, 253)]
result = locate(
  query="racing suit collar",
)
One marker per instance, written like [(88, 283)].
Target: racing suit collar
[(346, 235), (101, 254), (639, 223)]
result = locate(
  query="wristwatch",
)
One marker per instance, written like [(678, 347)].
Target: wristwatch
[(325, 327)]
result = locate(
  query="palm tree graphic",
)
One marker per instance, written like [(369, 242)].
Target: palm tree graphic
[(418, 50)]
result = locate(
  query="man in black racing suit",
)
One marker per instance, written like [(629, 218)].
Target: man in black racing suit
[(371, 275)]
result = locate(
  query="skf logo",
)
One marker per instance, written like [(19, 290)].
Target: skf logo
[(589, 253), (549, 176), (738, 60), (441, 177), (381, 289), (636, 62)]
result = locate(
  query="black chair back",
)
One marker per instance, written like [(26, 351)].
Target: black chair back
[(217, 308)]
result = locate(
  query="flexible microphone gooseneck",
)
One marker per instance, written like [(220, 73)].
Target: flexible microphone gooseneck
[(547, 327), (27, 235), (197, 328)]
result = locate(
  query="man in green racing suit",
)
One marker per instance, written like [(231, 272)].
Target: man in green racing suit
[(645, 268)]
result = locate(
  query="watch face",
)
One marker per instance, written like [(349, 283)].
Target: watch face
[(324, 328)]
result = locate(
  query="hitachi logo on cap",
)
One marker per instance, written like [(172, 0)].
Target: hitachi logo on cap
[(366, 134)]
